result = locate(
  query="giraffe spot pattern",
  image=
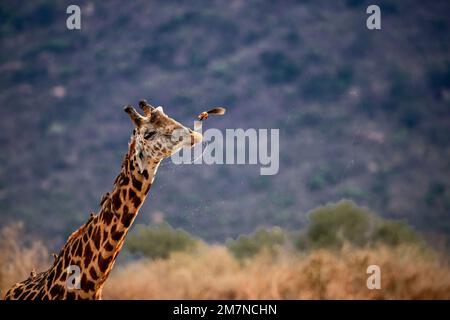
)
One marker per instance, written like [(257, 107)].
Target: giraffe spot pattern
[(103, 263), (136, 183), (85, 246)]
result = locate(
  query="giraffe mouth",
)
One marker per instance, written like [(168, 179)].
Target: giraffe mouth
[(195, 137)]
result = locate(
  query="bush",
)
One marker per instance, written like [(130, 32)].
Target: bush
[(394, 233), (262, 239), (344, 222), (159, 241), (324, 176)]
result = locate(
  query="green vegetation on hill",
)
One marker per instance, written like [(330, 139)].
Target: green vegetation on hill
[(159, 241), (248, 246), (329, 227), (333, 225)]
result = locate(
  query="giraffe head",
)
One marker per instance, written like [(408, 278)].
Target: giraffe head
[(156, 135)]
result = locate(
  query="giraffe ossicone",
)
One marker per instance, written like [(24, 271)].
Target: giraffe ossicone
[(93, 248)]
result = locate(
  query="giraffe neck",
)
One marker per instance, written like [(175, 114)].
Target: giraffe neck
[(95, 246), (117, 213)]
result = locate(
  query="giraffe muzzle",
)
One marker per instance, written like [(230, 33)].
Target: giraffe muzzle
[(195, 137)]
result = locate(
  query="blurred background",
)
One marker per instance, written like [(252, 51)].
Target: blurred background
[(364, 115)]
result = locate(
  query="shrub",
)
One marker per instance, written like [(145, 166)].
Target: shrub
[(394, 233), (159, 241), (316, 182), (323, 176), (263, 239), (344, 222)]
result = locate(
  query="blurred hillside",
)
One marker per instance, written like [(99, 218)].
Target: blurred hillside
[(362, 114)]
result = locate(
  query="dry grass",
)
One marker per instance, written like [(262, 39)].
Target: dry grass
[(18, 258), (211, 272)]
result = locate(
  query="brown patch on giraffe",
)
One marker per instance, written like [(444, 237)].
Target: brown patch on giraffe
[(33, 295), (96, 238), (116, 201), (137, 202), (28, 286), (125, 181), (55, 290), (48, 284), (79, 249), (18, 292), (86, 284), (136, 183), (51, 276), (59, 267), (66, 259), (89, 231), (107, 216), (93, 273), (75, 243), (108, 246), (145, 174), (131, 194), (126, 217), (87, 255), (39, 295), (116, 235), (73, 249), (134, 198), (27, 296), (103, 263)]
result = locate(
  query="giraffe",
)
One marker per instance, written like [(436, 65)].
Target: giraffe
[(94, 247)]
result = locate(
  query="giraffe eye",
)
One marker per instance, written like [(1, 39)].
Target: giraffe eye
[(150, 134)]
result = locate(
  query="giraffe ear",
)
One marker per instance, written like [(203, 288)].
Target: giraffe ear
[(134, 115)]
